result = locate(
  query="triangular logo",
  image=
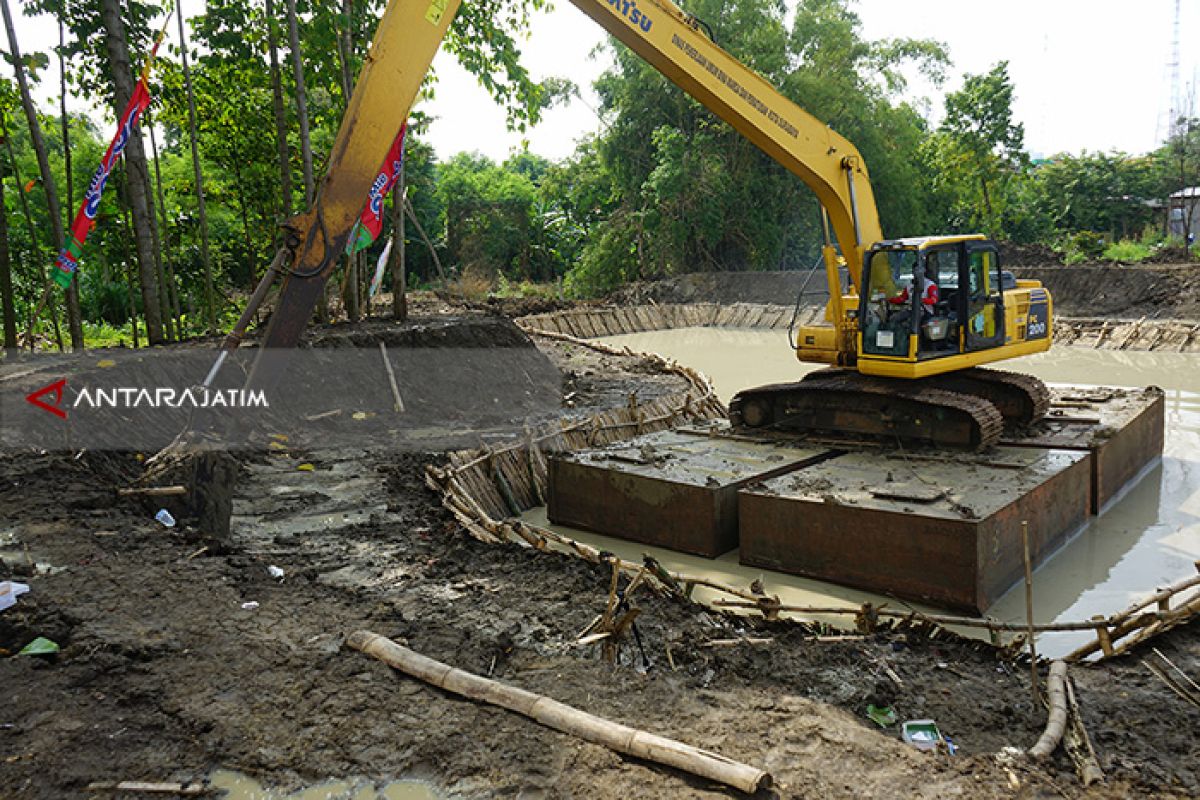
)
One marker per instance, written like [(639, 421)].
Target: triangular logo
[(56, 389)]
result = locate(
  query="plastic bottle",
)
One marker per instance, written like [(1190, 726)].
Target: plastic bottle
[(165, 518)]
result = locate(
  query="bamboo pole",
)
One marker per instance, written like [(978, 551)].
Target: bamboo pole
[(391, 376), (1056, 724), (562, 717), (1033, 660), (153, 491)]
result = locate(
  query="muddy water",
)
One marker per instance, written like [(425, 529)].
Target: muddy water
[(237, 786), (1148, 538)]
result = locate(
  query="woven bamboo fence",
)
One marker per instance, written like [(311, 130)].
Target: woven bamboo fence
[(592, 322), (1161, 335)]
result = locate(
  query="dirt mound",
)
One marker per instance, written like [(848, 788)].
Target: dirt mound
[(1027, 255)]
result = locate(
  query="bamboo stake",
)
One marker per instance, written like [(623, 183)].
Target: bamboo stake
[(387, 365), (1033, 661), (1057, 721), (562, 717)]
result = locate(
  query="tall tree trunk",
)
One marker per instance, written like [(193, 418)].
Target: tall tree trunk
[(301, 102), (350, 293), (281, 125), (7, 307), (396, 258), (135, 164), (164, 303), (171, 285), (39, 147), (34, 243), (247, 239), (66, 122), (74, 312), (210, 293), (129, 273), (306, 156)]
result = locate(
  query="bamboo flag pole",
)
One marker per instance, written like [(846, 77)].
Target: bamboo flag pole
[(562, 717)]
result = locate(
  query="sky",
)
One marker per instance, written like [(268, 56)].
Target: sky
[(1088, 75)]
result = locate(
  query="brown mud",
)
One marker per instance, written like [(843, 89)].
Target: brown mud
[(166, 674)]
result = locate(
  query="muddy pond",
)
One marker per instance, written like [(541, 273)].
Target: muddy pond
[(1148, 538)]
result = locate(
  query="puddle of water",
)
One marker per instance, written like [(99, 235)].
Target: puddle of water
[(237, 786), (1148, 538)]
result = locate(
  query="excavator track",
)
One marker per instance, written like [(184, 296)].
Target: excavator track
[(1020, 399), (847, 403)]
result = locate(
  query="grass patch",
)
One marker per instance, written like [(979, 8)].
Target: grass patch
[(1127, 251)]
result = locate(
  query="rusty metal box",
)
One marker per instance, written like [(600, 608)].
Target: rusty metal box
[(939, 528), (1122, 428), (673, 489)]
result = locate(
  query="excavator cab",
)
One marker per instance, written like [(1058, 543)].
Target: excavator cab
[(933, 305)]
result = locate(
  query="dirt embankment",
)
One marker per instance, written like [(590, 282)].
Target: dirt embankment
[(182, 654), (768, 288), (1156, 291), (1127, 292)]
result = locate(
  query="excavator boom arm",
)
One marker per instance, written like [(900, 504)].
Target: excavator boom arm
[(405, 44)]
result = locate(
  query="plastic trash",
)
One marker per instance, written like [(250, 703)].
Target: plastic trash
[(250, 605), (41, 646), (9, 592), (922, 734), (165, 518), (881, 716), (275, 572)]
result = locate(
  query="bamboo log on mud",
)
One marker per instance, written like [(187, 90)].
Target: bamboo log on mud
[(152, 491), (562, 717), (1057, 722)]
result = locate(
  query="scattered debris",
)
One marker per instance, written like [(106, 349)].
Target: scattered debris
[(275, 572), (41, 646), (9, 592), (165, 518), (922, 734), (883, 717), (250, 605), (1185, 688)]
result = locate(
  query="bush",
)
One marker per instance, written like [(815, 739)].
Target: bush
[(1128, 252), (1082, 246)]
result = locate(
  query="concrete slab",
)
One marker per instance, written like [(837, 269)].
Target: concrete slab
[(671, 489), (941, 528), (1122, 428)]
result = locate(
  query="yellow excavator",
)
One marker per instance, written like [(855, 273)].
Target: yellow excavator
[(904, 339)]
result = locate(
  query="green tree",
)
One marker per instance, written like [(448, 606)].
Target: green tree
[(1103, 192), (1181, 155), (977, 159), (689, 193)]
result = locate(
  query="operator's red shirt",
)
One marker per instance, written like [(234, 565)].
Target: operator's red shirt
[(929, 296)]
